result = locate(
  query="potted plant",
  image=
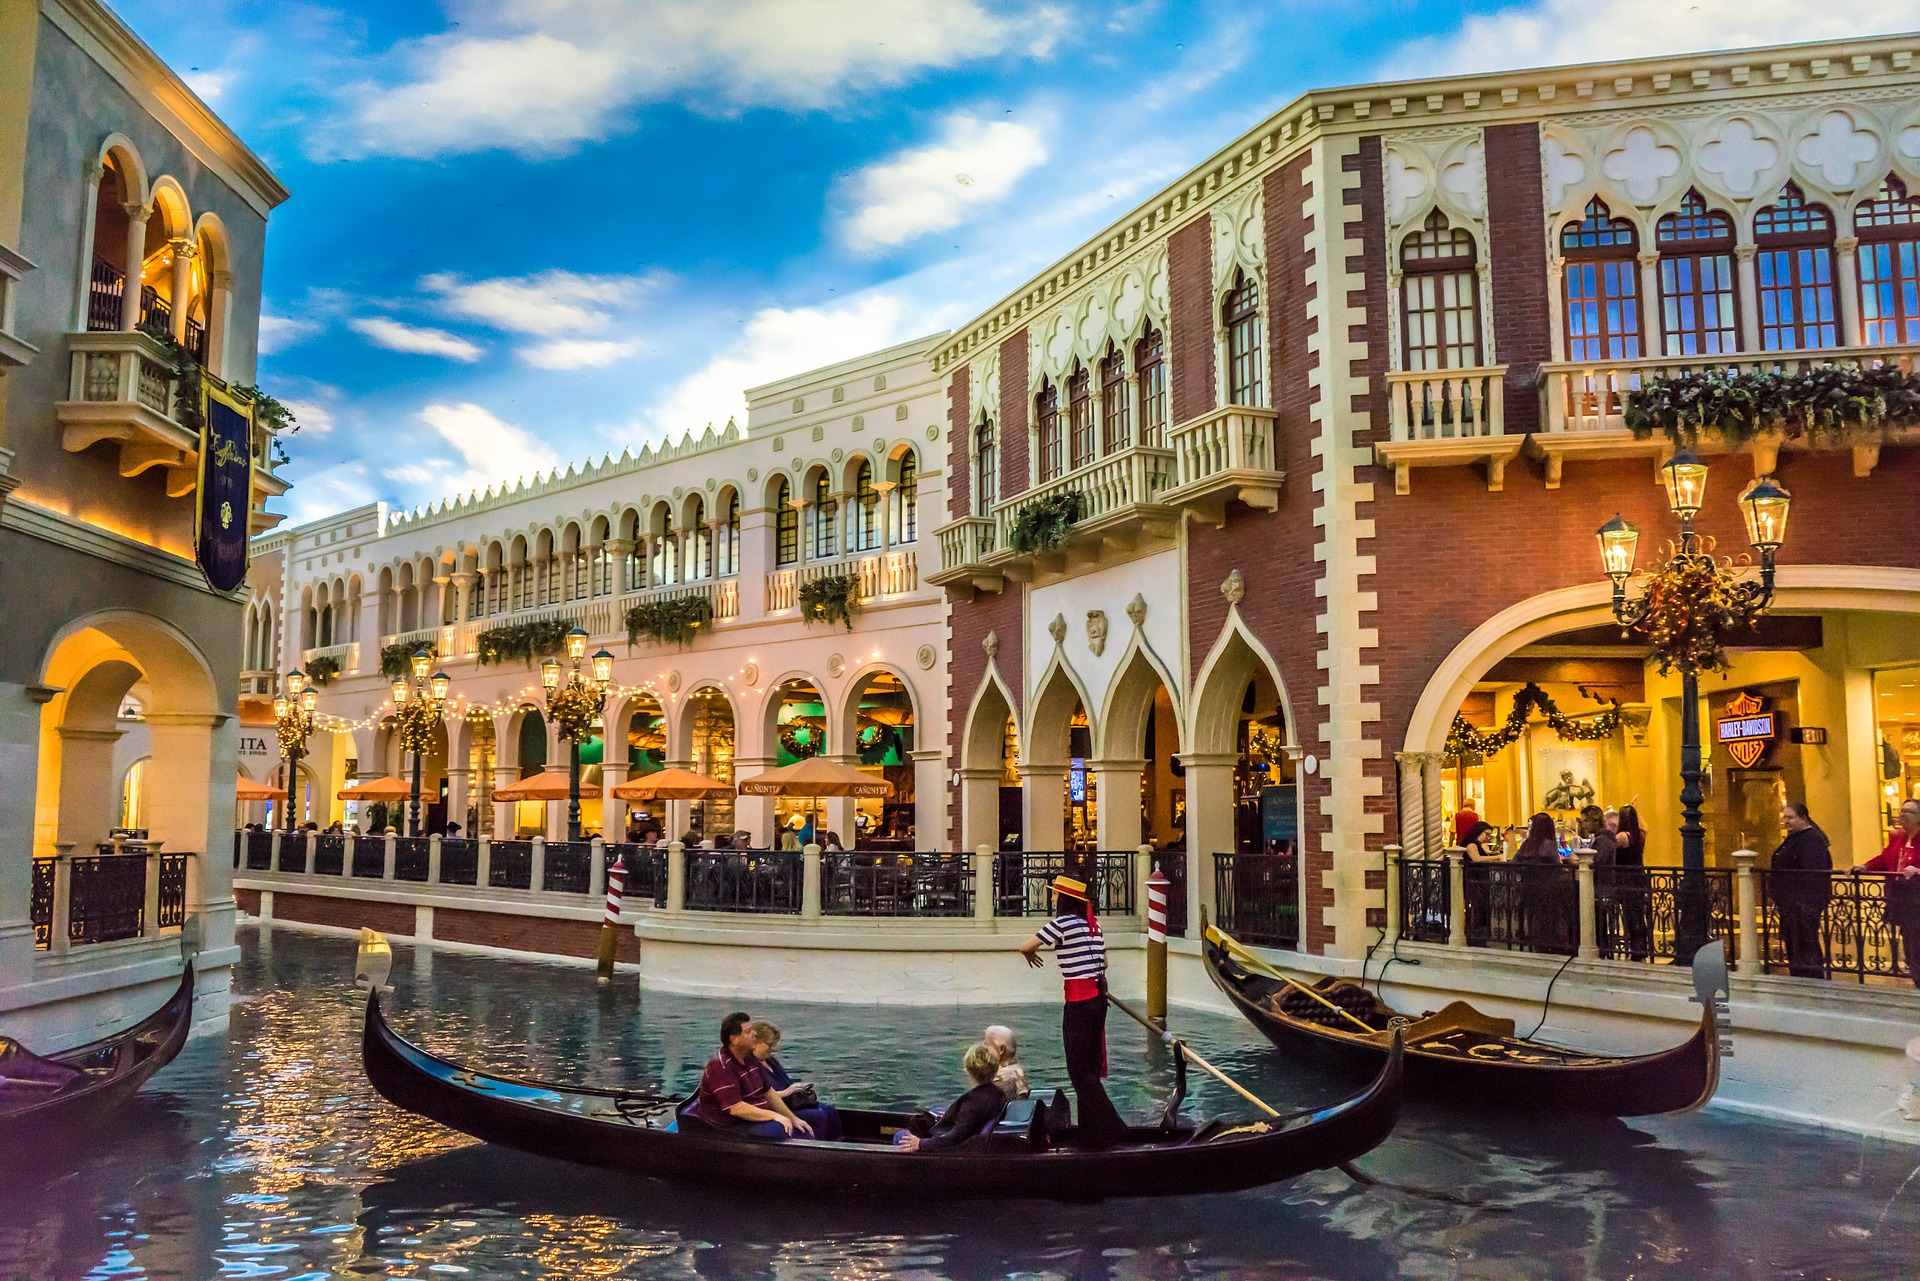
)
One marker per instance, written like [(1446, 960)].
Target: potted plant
[(673, 621), (1044, 523), (832, 599)]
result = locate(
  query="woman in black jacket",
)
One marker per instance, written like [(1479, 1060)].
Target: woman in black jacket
[(972, 1114)]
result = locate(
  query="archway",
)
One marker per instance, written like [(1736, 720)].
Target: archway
[(1062, 799), (795, 730), (1139, 754), (710, 739), (646, 735), (992, 802), (481, 758), (879, 724)]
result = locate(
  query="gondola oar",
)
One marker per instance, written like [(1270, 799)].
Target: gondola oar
[(1259, 966)]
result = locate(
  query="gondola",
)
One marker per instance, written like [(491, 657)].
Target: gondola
[(1464, 1057), (1027, 1155), (45, 1094)]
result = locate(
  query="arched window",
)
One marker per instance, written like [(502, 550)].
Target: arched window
[(1601, 286), (1080, 418), (986, 469), (1439, 297), (1795, 270), (786, 525), (326, 626), (1116, 422), (824, 512), (1150, 365), (906, 500), (1047, 421), (1240, 314), (1697, 307), (730, 536), (866, 509), (522, 577), (699, 543), (1889, 229)]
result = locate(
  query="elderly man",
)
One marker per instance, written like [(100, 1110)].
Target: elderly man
[(1801, 876), (1009, 1076), (733, 1089)]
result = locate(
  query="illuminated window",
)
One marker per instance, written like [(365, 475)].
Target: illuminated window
[(1794, 267), (1601, 286), (1889, 229)]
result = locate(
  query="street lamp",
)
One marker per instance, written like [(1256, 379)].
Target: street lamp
[(293, 714), (417, 709), (574, 703), (1689, 603)]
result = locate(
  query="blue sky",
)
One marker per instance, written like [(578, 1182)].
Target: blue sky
[(528, 232)]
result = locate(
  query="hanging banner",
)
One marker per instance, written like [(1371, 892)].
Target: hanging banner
[(224, 497)]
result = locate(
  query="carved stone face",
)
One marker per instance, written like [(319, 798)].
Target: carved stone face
[(1097, 631)]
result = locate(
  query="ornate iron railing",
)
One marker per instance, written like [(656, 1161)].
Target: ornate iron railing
[(1638, 911), (862, 883), (569, 867), (260, 850), (104, 290), (1529, 907), (411, 855), (510, 865), (109, 897), (172, 911), (744, 881), (1021, 878), (1257, 897), (646, 869), (40, 905), (329, 854), (1426, 901), (459, 862), (1839, 924), (370, 857)]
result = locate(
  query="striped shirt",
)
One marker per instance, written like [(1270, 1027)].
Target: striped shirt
[(1083, 951)]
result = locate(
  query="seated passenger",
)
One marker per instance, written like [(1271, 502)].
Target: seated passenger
[(799, 1096), (973, 1113), (1011, 1077), (733, 1090)]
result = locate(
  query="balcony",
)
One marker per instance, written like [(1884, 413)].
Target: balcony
[(256, 683), (965, 546), (1583, 406), (1225, 455), (347, 655), (121, 389), (1123, 502), (1446, 418), (14, 351), (883, 576)]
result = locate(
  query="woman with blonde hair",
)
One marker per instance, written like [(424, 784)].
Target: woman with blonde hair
[(972, 1114)]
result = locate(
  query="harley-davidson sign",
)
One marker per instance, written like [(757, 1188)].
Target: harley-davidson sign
[(1746, 729)]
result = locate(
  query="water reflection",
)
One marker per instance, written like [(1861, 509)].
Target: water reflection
[(268, 1155)]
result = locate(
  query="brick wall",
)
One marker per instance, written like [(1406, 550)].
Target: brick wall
[(1516, 230), (959, 445), (1190, 319), (1013, 415), (349, 913), (530, 933), (998, 612)]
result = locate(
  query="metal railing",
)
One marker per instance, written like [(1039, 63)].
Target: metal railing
[(370, 857), (1639, 911), (40, 904), (459, 862), (1173, 865), (568, 868), (1021, 878), (1837, 925), (259, 850), (329, 854), (510, 865), (1426, 901), (646, 869), (105, 290), (879, 884), (172, 898), (109, 896), (1530, 907), (411, 855), (744, 881), (1257, 897)]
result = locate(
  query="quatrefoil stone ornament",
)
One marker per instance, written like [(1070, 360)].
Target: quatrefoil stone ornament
[(1737, 158), (1641, 164), (1836, 149)]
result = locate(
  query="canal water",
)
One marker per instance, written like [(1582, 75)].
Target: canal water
[(266, 1154)]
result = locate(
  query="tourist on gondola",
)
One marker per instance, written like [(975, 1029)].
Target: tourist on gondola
[(973, 1113), (1901, 863), (799, 1096), (1074, 933), (1011, 1076), (733, 1089)]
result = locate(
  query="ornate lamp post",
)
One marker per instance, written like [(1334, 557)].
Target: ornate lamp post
[(574, 705), (293, 721), (417, 711), (1689, 603)]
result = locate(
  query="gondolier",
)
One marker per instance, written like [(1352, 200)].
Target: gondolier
[(1074, 933)]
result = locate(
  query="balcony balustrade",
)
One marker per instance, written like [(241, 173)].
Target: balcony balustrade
[(347, 655), (965, 546), (1225, 455), (1446, 417), (14, 350), (881, 575)]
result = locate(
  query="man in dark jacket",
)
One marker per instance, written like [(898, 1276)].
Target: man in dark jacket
[(1801, 881)]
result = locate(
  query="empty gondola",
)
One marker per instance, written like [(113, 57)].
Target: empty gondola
[(46, 1094), (1464, 1057), (1026, 1155)]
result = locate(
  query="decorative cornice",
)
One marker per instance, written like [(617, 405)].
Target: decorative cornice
[(91, 540)]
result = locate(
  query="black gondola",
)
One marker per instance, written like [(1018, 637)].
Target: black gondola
[(1462, 1056), (1023, 1157), (52, 1092)]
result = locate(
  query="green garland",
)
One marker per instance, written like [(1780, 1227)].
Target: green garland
[(574, 708), (396, 660), (1043, 524), (673, 621), (323, 669), (1832, 404), (524, 641), (832, 599), (1690, 604), (187, 376), (1466, 743)]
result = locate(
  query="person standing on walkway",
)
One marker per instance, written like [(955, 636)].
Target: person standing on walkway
[(1900, 861), (1801, 875), (1074, 933)]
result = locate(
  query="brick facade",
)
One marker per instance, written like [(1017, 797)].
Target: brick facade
[(530, 933), (1013, 415), (1516, 230), (959, 445), (1190, 336), (1001, 613), (347, 913)]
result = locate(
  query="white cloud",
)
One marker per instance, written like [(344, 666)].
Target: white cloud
[(932, 188), (579, 353), (418, 339), (277, 333), (543, 76), (314, 419), (551, 302), (1554, 32), (209, 85), (489, 451)]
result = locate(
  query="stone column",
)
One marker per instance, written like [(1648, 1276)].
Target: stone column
[(503, 811), (182, 282), (457, 784), (219, 317), (1044, 789), (1846, 272), (618, 549), (1438, 838), (810, 882), (1456, 898), (1747, 911), (979, 808), (1413, 802), (1210, 830), (837, 812), (1117, 789), (137, 215), (930, 799), (613, 810), (1749, 276), (1651, 343), (87, 795), (842, 524), (190, 807), (462, 596), (884, 502), (440, 582), (756, 558), (1589, 949)]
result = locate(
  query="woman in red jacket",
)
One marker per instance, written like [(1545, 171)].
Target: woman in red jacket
[(1901, 862)]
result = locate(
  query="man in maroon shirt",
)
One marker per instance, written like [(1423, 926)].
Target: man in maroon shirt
[(733, 1089)]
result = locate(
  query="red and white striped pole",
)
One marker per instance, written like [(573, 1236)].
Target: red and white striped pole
[(1157, 946), (616, 888)]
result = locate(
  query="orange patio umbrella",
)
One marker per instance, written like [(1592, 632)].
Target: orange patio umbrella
[(548, 785), (248, 790), (672, 785), (384, 788), (814, 778)]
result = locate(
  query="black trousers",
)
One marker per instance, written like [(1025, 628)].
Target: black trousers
[(1083, 1030), (1800, 935)]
